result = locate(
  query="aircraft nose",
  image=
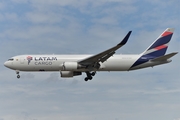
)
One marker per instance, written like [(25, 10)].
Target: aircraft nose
[(7, 64)]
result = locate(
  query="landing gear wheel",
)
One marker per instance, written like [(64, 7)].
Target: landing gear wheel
[(86, 79), (93, 73), (18, 76), (17, 72), (89, 75)]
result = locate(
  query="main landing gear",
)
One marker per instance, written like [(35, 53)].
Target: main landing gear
[(17, 72), (89, 76)]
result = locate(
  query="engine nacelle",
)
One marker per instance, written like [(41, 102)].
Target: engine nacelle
[(69, 66), (69, 73)]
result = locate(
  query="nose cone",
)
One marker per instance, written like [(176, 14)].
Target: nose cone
[(7, 64)]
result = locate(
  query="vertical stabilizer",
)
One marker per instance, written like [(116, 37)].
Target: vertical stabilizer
[(157, 49), (160, 45)]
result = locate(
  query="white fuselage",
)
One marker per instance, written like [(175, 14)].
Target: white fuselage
[(55, 62), (74, 65)]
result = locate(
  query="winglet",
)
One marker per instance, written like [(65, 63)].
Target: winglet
[(123, 42)]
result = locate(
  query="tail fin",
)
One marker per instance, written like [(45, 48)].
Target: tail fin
[(159, 46)]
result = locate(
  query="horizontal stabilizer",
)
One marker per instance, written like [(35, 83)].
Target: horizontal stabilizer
[(165, 57)]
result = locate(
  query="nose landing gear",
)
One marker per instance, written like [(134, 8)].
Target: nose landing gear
[(17, 72), (18, 76)]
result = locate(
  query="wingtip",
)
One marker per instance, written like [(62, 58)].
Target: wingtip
[(124, 41)]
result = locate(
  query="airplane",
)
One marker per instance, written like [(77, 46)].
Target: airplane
[(74, 65)]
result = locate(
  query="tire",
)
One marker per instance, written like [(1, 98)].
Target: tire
[(18, 76)]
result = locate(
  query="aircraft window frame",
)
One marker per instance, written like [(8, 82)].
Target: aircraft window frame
[(11, 59)]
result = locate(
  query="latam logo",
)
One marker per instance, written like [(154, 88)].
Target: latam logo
[(44, 60), (29, 58)]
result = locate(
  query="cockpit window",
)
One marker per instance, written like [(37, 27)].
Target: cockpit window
[(10, 59)]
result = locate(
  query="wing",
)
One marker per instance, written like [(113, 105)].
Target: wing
[(94, 60)]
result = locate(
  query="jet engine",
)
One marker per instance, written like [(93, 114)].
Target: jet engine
[(70, 66), (69, 73)]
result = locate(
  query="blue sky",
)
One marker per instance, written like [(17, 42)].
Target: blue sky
[(80, 27)]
